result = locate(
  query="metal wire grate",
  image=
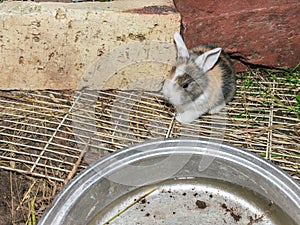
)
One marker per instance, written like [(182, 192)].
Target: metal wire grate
[(54, 134)]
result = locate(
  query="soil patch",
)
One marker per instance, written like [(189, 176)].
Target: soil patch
[(23, 199)]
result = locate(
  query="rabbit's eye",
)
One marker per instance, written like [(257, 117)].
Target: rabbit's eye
[(185, 85), (185, 80)]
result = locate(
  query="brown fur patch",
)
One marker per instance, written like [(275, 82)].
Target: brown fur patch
[(221, 76), (183, 79), (215, 76), (201, 49), (172, 73)]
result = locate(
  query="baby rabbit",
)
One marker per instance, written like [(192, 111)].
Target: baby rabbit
[(202, 81)]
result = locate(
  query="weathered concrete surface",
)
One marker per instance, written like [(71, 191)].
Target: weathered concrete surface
[(264, 32), (61, 45)]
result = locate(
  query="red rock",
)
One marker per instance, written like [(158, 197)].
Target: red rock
[(264, 32), (162, 9)]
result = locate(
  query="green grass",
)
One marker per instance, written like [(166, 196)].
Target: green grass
[(288, 76), (288, 80), (279, 156), (291, 78)]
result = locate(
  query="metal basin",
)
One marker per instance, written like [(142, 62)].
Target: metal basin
[(178, 181)]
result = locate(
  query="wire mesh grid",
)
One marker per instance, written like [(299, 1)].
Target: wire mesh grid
[(55, 134)]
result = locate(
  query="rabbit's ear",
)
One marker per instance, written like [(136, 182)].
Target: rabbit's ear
[(182, 51), (208, 59)]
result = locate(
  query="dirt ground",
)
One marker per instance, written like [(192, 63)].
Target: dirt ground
[(23, 199), (5, 198)]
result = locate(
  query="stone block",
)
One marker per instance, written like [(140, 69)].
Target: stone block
[(101, 45)]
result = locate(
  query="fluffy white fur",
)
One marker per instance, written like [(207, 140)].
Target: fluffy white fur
[(192, 110)]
